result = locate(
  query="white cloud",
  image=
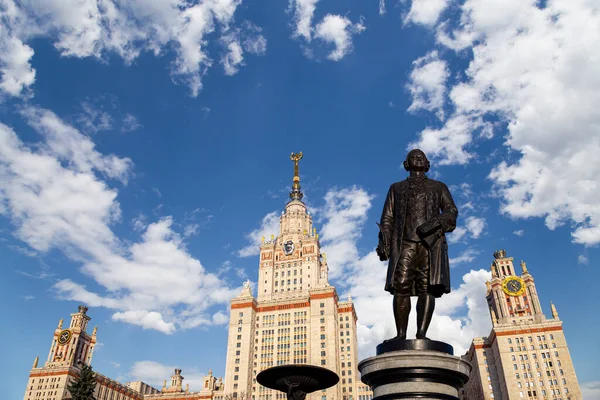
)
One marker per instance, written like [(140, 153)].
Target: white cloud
[(303, 15), (475, 226), (381, 7), (426, 12), (590, 390), (519, 232), (233, 58), (93, 119), (68, 144), (582, 259), (15, 67), (268, 226), (427, 84), (333, 29), (190, 230), (154, 373), (130, 123), (97, 28), (457, 235), (345, 212), (531, 72), (220, 318), (466, 256), (338, 30), (145, 319), (55, 197), (447, 144)]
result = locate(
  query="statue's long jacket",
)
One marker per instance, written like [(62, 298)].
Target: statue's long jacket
[(439, 205)]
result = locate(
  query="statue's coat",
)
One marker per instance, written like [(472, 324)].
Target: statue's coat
[(440, 206)]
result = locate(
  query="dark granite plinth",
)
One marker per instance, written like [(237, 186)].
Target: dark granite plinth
[(401, 370), (414, 344)]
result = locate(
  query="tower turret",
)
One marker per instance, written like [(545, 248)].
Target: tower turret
[(513, 298)]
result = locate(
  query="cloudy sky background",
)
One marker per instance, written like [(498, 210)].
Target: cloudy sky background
[(144, 150)]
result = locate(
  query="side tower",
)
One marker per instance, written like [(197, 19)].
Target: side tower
[(70, 346), (526, 354), (296, 316)]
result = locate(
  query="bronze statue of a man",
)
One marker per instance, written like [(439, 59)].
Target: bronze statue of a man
[(416, 215)]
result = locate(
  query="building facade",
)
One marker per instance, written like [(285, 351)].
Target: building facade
[(525, 356), (72, 346), (296, 316)]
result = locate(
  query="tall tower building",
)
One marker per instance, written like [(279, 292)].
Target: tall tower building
[(296, 316), (526, 354)]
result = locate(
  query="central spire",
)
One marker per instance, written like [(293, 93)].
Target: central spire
[(296, 193)]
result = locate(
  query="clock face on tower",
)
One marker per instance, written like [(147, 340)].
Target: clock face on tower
[(513, 286), (288, 247), (64, 336)]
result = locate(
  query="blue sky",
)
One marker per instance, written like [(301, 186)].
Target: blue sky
[(144, 149)]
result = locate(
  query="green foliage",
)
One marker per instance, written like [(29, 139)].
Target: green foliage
[(83, 387)]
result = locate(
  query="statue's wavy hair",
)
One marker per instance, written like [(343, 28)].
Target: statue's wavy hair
[(427, 165)]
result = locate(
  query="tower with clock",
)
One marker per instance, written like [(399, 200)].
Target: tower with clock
[(526, 354), (511, 297)]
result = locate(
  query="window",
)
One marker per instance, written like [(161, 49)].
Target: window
[(322, 305)]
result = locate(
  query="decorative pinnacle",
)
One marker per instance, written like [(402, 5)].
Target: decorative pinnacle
[(554, 311), (296, 193), (524, 267)]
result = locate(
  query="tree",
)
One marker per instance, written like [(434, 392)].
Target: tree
[(83, 387)]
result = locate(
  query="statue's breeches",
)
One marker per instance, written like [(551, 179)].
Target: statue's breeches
[(412, 269)]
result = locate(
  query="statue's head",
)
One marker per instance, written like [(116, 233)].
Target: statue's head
[(416, 161)]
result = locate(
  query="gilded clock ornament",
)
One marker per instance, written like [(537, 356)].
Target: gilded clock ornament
[(513, 286), (64, 336)]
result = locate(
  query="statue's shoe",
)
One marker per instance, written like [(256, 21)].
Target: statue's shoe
[(399, 337)]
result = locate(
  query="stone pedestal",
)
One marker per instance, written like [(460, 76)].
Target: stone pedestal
[(414, 372)]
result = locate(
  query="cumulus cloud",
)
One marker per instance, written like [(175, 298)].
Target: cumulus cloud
[(532, 80), (145, 319), (332, 29), (582, 259), (427, 84), (304, 11), (57, 196), (269, 226), (465, 256), (154, 373), (338, 30), (475, 226), (425, 12), (98, 28), (345, 213)]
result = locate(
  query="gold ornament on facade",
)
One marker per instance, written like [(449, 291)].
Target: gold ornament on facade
[(513, 286)]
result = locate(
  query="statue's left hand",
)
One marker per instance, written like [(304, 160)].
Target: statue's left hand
[(382, 252)]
